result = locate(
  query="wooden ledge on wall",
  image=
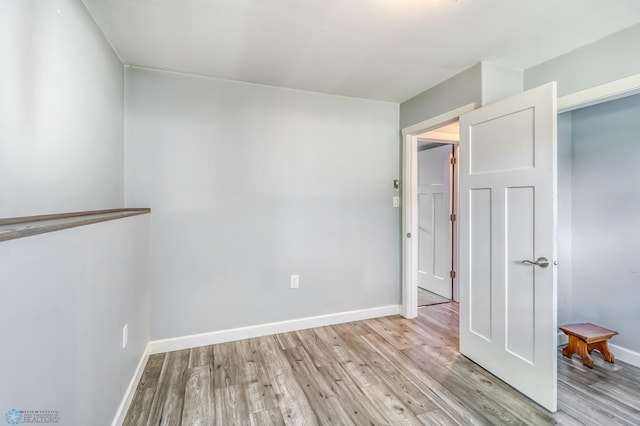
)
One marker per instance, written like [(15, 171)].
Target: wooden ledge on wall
[(26, 226)]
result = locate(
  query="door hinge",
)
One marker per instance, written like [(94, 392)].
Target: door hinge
[(452, 217), (452, 274), (453, 161)]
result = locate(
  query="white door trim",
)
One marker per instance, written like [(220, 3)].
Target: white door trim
[(438, 120), (605, 92), (410, 206)]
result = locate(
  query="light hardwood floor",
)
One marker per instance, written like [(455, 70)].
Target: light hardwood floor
[(426, 298), (386, 371)]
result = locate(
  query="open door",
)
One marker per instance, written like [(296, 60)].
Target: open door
[(507, 216), (434, 224)]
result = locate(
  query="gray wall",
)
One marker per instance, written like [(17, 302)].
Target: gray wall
[(249, 184), (606, 208), (67, 295), (459, 90), (483, 83), (609, 59), (499, 82), (61, 111), (565, 261)]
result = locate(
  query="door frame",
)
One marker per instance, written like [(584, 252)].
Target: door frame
[(410, 208), (613, 90)]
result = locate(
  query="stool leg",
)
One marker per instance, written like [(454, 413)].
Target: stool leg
[(603, 348), (571, 348), (578, 346), (587, 361)]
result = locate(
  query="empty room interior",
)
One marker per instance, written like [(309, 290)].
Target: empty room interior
[(298, 212)]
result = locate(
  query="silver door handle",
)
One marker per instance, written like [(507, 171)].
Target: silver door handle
[(541, 262)]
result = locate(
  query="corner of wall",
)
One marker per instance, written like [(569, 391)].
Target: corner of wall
[(461, 89), (119, 417), (499, 81)]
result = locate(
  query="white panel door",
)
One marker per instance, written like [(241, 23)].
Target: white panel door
[(434, 225), (507, 218)]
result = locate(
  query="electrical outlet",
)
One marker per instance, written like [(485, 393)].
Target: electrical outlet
[(396, 201), (125, 335), (295, 281)]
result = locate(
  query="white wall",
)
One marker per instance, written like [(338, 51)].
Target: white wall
[(61, 111), (249, 184), (67, 295), (605, 216)]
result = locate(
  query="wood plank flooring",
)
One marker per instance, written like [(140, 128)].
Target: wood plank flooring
[(385, 371), (426, 298)]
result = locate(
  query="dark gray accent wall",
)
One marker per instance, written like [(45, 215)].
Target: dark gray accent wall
[(611, 58), (606, 217)]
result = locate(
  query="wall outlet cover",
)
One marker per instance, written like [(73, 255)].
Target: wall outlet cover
[(295, 281)]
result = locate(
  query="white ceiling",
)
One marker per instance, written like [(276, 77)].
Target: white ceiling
[(379, 49)]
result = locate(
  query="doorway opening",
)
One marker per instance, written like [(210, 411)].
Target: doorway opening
[(434, 130), (436, 199)]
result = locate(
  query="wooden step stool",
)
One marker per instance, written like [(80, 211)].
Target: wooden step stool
[(584, 338)]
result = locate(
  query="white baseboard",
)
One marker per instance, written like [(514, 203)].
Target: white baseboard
[(195, 340), (185, 342), (626, 355), (620, 353), (131, 389)]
